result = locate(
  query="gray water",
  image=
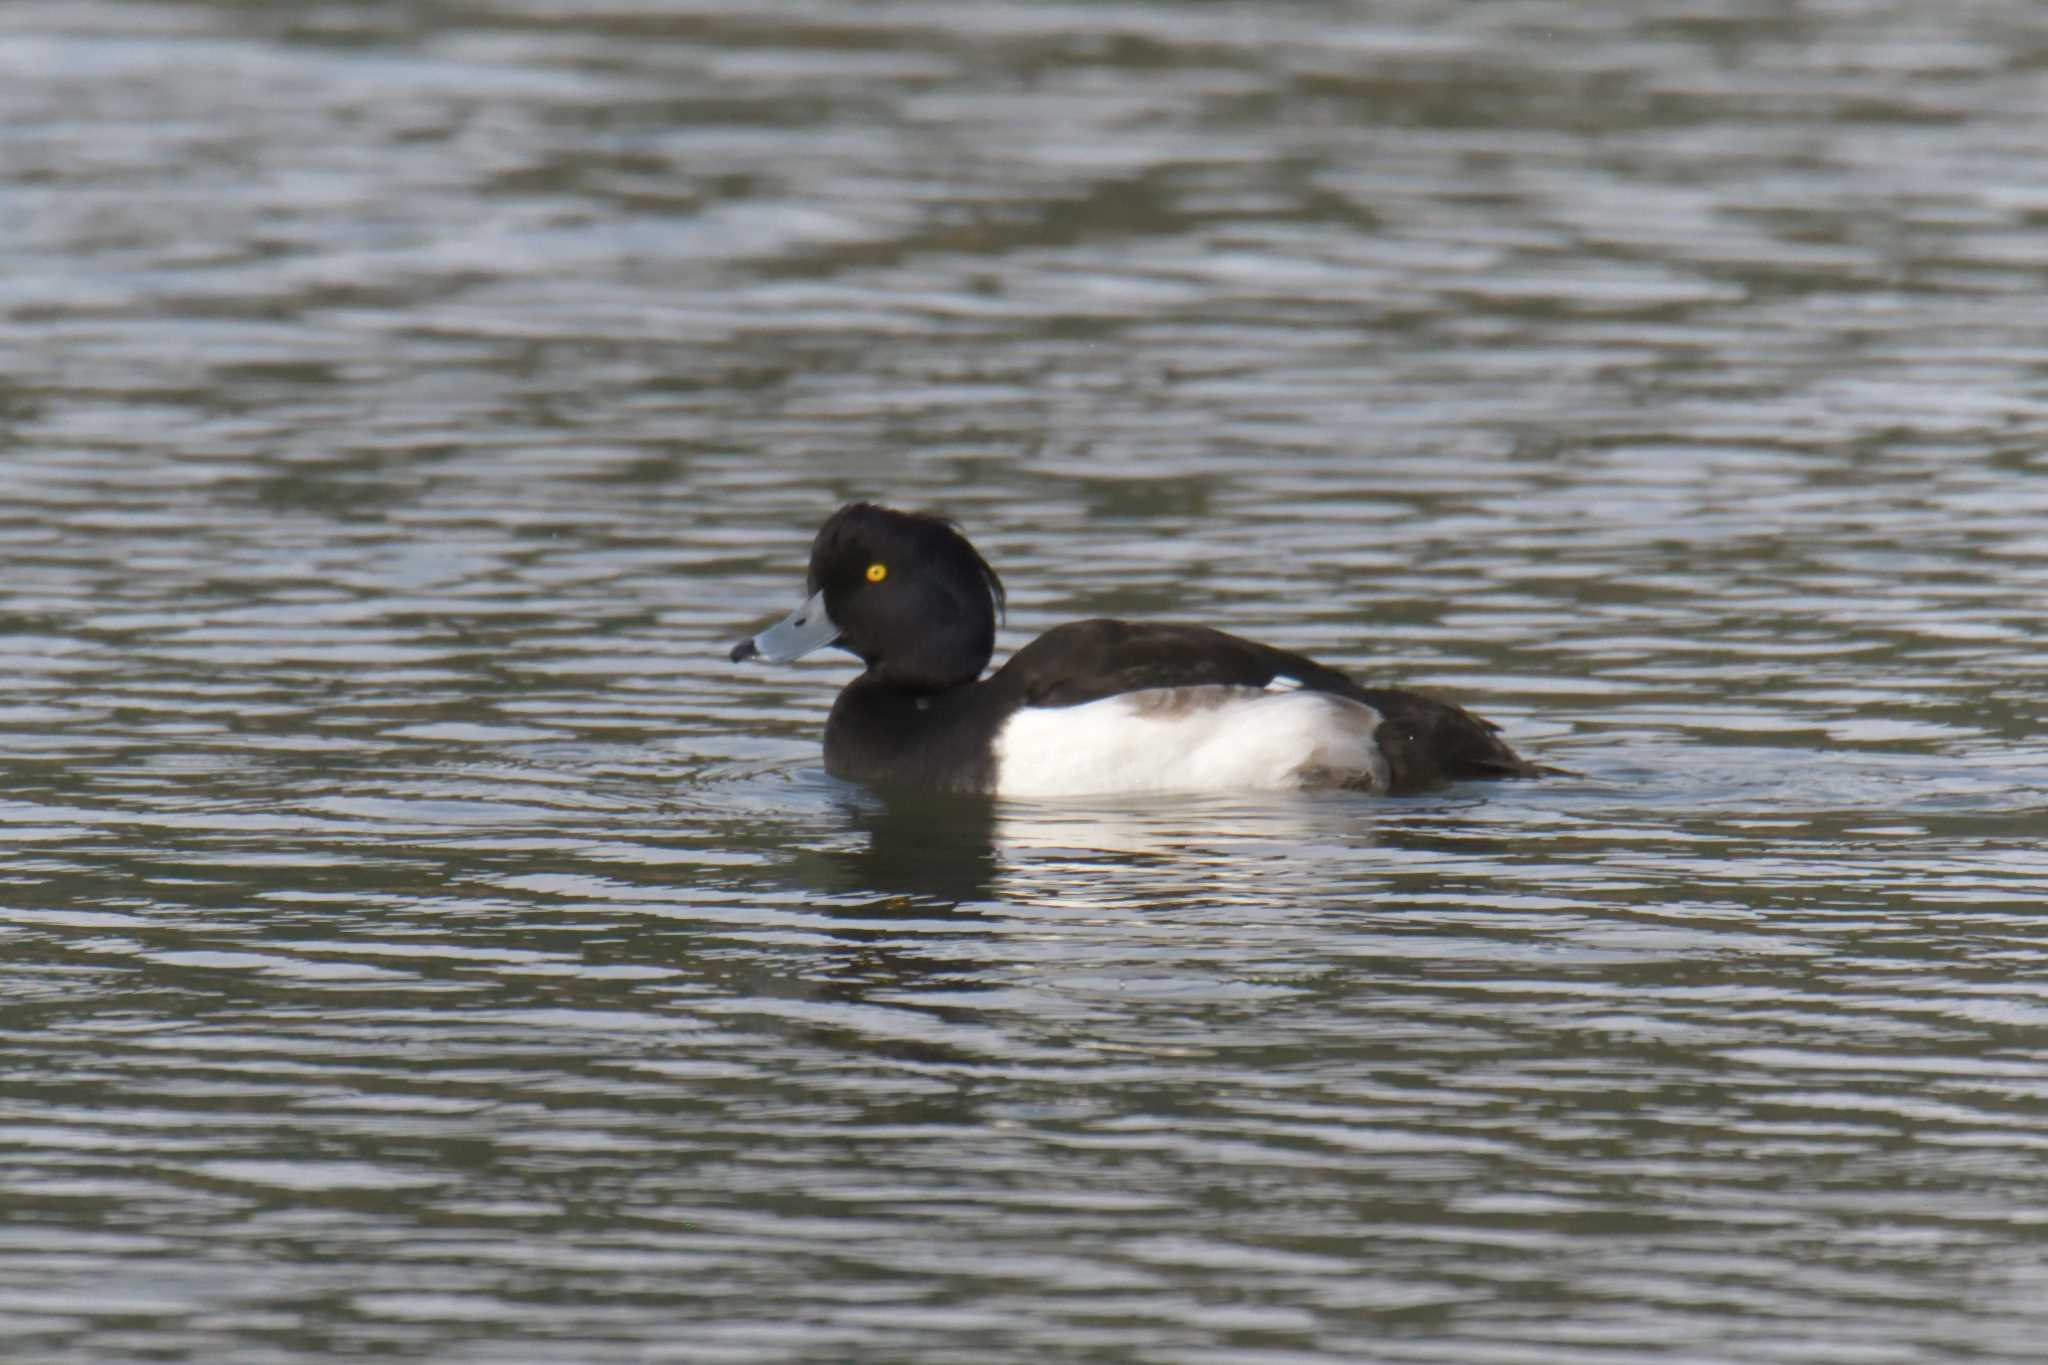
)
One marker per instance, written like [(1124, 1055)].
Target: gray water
[(419, 943)]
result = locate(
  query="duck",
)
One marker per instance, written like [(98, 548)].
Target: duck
[(1095, 708)]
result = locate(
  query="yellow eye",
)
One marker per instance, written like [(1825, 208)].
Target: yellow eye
[(877, 572)]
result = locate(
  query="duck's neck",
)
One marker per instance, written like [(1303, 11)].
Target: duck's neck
[(880, 732)]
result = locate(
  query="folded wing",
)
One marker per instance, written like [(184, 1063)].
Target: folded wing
[(1425, 741)]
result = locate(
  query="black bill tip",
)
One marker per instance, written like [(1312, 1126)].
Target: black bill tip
[(744, 651)]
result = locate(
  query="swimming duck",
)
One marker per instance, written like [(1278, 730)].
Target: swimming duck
[(1091, 708)]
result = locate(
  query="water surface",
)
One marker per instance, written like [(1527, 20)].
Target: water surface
[(418, 943)]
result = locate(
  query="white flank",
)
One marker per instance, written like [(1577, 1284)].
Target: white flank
[(1189, 739)]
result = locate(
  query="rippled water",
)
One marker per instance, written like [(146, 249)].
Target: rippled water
[(420, 944)]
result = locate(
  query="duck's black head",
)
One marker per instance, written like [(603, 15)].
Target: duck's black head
[(902, 590)]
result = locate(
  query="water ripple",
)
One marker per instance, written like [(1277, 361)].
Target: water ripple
[(421, 943)]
